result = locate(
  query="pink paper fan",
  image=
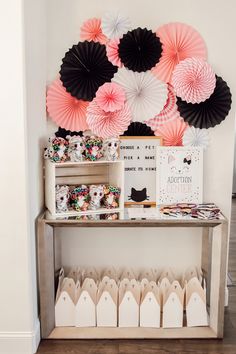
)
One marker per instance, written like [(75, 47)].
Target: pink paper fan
[(91, 31), (172, 132), (193, 80), (107, 124), (169, 112), (66, 111), (112, 52), (110, 97), (179, 41)]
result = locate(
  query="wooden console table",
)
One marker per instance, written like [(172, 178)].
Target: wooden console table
[(213, 262)]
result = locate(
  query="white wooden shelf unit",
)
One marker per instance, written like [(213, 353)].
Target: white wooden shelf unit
[(78, 173)]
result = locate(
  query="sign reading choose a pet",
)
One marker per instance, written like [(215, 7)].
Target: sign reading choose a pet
[(139, 155), (180, 175)]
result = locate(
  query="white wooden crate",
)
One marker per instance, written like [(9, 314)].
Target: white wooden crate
[(77, 173)]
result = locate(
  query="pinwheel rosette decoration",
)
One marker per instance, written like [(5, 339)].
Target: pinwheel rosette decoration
[(65, 110), (113, 52), (85, 68), (212, 111), (91, 31), (110, 97), (107, 124), (140, 49), (145, 94), (193, 80), (138, 129), (179, 41), (196, 137), (115, 25), (168, 113), (172, 132)]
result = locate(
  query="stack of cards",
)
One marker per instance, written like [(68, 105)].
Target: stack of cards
[(207, 211)]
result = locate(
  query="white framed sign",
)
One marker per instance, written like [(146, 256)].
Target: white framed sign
[(180, 175), (139, 155)]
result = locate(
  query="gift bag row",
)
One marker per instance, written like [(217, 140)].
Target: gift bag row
[(112, 298), (83, 198)]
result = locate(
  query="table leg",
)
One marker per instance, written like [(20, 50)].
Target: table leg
[(218, 278), (45, 251)]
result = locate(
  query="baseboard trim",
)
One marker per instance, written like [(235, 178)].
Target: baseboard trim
[(20, 342)]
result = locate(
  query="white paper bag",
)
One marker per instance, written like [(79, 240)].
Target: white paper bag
[(129, 300), (107, 298), (65, 302), (173, 301), (196, 311), (85, 309), (150, 307)]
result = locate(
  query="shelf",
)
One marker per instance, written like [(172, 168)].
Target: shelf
[(130, 333), (87, 173), (75, 214), (79, 163), (125, 221)]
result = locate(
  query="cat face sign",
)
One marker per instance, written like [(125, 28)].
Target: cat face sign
[(179, 175), (138, 196), (179, 166)]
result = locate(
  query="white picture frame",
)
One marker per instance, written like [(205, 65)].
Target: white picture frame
[(179, 177)]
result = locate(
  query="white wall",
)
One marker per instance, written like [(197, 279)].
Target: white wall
[(16, 299), (36, 124), (23, 124), (22, 113), (215, 20)]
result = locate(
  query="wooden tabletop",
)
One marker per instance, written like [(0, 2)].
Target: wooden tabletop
[(124, 221)]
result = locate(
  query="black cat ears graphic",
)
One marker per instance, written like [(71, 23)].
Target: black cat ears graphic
[(138, 196), (188, 160)]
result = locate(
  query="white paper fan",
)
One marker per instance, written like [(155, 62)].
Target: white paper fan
[(115, 25), (145, 94), (196, 137)]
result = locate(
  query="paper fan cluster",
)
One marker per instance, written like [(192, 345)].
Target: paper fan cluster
[(193, 80), (107, 124), (133, 81), (66, 111), (196, 137), (145, 95), (91, 31), (169, 112), (172, 132)]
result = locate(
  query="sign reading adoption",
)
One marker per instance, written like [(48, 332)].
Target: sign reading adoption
[(139, 155), (180, 175)]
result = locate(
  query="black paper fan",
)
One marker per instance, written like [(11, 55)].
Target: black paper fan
[(140, 49), (138, 129), (84, 68), (211, 112), (62, 133)]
